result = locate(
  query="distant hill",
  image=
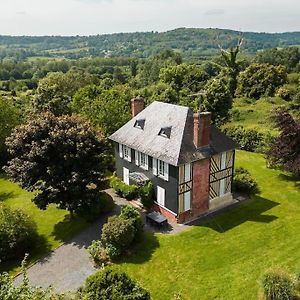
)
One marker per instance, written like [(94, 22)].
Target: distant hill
[(192, 42)]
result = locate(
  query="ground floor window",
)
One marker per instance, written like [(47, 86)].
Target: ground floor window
[(185, 201), (161, 195)]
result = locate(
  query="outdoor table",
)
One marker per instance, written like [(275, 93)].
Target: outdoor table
[(155, 218)]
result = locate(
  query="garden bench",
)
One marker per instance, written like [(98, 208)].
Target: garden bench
[(156, 219)]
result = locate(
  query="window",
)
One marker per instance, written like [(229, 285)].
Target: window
[(187, 172), (165, 132), (125, 152), (223, 161), (161, 169), (140, 124), (141, 159), (187, 201), (161, 196)]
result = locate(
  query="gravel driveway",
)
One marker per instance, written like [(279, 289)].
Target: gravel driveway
[(67, 267)]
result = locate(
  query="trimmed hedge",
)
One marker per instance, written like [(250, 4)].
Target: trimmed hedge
[(124, 190), (132, 214), (244, 182)]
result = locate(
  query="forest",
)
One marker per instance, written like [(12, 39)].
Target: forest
[(193, 43)]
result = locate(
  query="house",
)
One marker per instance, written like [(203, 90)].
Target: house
[(189, 161)]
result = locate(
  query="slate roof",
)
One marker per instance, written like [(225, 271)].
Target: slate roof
[(179, 147)]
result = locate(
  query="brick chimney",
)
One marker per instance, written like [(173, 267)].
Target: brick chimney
[(202, 129), (137, 105)]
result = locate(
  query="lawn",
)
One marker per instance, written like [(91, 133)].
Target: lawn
[(54, 225), (225, 258), (255, 113)]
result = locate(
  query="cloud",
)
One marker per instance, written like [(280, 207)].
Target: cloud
[(215, 12)]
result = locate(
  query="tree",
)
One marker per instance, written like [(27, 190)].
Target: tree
[(55, 91), (285, 149), (191, 77), (261, 80), (108, 109), (217, 100), (61, 157), (110, 284), (233, 65), (10, 116)]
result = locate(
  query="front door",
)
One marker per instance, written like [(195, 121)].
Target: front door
[(126, 175)]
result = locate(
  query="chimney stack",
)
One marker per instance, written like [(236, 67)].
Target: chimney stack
[(202, 129), (137, 105)]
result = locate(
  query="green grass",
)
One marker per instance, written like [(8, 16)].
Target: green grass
[(54, 225), (225, 258), (255, 113)]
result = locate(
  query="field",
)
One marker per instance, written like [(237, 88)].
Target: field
[(225, 258), (54, 225), (255, 114)]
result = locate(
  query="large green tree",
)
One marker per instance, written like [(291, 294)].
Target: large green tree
[(108, 109), (188, 76), (60, 157), (217, 99), (10, 116), (261, 80), (55, 91)]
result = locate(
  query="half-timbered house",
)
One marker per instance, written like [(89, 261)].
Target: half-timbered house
[(189, 161)]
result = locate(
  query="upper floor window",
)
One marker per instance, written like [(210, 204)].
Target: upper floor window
[(140, 124), (125, 152), (141, 159), (161, 169)]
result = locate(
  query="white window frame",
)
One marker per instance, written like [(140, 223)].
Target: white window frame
[(139, 161), (187, 200), (161, 169), (126, 175), (223, 160), (187, 173), (126, 153), (161, 196)]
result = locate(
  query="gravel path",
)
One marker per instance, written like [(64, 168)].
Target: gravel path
[(67, 267)]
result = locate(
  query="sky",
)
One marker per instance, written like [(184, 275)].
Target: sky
[(89, 17)]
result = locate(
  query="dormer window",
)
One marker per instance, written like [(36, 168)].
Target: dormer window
[(140, 124), (165, 132)]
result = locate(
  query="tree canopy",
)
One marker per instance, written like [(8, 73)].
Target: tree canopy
[(285, 149), (60, 157)]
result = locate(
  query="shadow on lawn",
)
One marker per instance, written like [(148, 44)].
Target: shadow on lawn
[(291, 178), (252, 211), (143, 250), (39, 247), (4, 196), (79, 231)]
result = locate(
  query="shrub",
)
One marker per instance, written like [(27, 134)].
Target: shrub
[(284, 93), (118, 232), (243, 182), (113, 251), (109, 284), (130, 213), (249, 139), (122, 189), (17, 233), (98, 253), (146, 193), (103, 205), (277, 285)]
